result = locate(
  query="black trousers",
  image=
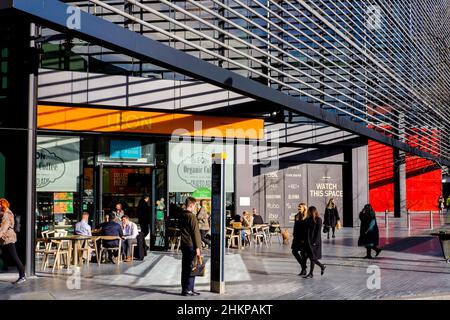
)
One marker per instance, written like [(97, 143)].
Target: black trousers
[(301, 258), (12, 252), (333, 229), (313, 262), (203, 234), (145, 230), (187, 282)]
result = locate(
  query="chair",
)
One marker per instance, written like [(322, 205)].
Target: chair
[(132, 249), (265, 231), (275, 230), (60, 233), (40, 242), (85, 252), (55, 248), (103, 250), (174, 238), (258, 235), (231, 236)]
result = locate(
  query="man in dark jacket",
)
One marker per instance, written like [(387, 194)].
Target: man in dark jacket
[(257, 219), (191, 244), (111, 228), (143, 214)]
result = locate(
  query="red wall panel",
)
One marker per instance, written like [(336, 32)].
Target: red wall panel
[(423, 180), (381, 183)]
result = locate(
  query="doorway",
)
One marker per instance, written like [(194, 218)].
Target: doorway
[(124, 184)]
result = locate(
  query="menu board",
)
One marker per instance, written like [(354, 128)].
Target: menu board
[(274, 196), (63, 202), (295, 191)]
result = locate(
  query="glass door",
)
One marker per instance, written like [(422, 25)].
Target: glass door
[(122, 186)]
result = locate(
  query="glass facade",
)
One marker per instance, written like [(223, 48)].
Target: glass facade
[(76, 174)]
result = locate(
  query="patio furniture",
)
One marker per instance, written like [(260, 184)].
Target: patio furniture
[(232, 237), (55, 248), (101, 250)]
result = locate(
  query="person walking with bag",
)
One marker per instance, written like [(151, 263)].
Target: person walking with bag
[(331, 218), (300, 236), (314, 241), (191, 245), (368, 233), (8, 238), (203, 222)]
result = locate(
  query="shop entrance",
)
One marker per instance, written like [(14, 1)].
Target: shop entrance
[(122, 184), (127, 184)]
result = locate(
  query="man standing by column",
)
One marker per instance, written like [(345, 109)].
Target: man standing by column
[(143, 214), (190, 246)]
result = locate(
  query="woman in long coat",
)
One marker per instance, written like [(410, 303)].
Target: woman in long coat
[(331, 217), (300, 237), (314, 241), (368, 233)]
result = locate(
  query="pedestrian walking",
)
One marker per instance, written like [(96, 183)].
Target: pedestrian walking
[(369, 233), (191, 245), (203, 222), (314, 241), (300, 236), (441, 204), (8, 238), (331, 218)]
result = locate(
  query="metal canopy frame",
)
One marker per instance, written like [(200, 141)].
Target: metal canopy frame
[(53, 14)]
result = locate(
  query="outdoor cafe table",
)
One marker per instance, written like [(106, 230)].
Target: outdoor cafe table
[(73, 244)]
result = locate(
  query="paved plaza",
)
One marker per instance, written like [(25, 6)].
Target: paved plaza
[(411, 267)]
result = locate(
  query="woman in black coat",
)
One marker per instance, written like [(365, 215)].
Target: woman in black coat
[(331, 217), (314, 241), (368, 233), (300, 237)]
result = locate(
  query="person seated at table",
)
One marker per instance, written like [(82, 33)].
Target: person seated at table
[(82, 228), (111, 228), (118, 211), (130, 233), (257, 219), (237, 218)]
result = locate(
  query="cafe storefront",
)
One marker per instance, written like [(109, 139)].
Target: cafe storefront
[(85, 165)]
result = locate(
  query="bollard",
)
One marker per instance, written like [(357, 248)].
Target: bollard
[(408, 219), (386, 219), (431, 220)]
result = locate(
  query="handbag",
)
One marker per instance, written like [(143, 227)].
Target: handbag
[(338, 225), (326, 229), (198, 268)]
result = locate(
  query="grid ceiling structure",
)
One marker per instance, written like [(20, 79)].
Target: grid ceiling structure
[(382, 63)]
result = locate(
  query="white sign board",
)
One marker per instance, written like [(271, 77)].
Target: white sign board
[(57, 164), (244, 201), (190, 165)]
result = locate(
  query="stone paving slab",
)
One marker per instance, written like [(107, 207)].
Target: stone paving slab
[(411, 267)]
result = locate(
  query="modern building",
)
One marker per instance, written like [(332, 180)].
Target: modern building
[(104, 101)]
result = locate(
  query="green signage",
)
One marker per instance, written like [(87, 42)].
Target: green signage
[(202, 193)]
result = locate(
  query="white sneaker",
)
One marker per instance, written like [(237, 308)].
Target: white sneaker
[(20, 280)]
